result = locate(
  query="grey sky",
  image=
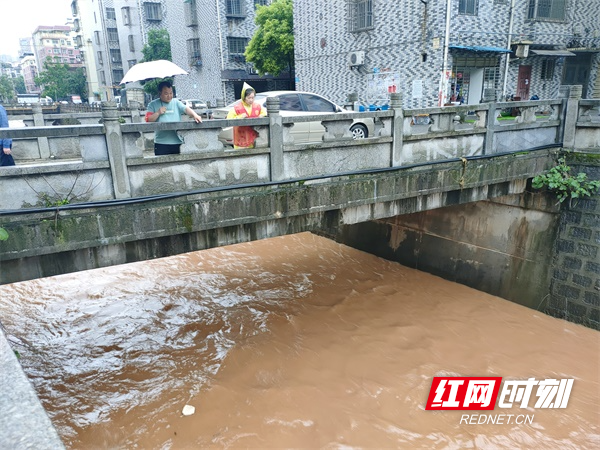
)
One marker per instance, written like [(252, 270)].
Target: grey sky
[(21, 17)]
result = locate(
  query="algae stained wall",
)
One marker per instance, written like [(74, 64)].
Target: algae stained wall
[(503, 246)]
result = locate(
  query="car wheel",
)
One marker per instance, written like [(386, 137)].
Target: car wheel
[(359, 131)]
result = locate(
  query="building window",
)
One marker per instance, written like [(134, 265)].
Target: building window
[(110, 14), (236, 47), (100, 59), (153, 11), (117, 76), (546, 9), (132, 62), (131, 41), (360, 15), (191, 16), (102, 78), (235, 8), (115, 56), (260, 3), (468, 7), (97, 37), (113, 35), (193, 49), (547, 69), (126, 15)]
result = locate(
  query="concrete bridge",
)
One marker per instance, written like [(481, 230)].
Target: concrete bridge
[(92, 194)]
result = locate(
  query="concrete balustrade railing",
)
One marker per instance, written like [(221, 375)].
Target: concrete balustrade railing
[(113, 157)]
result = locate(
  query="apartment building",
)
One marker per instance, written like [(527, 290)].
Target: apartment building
[(55, 42), (29, 71), (208, 39), (436, 52), (110, 35)]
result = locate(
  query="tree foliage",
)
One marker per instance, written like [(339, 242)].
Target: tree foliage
[(78, 82), (60, 80), (271, 49), (19, 84), (7, 89), (158, 47), (54, 79)]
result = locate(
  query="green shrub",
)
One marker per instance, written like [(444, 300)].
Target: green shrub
[(564, 185)]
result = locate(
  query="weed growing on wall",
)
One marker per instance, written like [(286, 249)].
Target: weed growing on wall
[(564, 185)]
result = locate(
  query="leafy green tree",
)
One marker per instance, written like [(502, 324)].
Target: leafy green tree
[(19, 83), (271, 49), (54, 79), (78, 83), (158, 47), (7, 89)]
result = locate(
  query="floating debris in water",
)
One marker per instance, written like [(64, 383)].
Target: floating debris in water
[(188, 410)]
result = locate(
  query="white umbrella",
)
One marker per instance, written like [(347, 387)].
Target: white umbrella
[(152, 69)]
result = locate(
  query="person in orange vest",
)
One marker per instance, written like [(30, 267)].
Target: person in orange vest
[(243, 137)]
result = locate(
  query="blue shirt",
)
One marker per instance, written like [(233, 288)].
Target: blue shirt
[(6, 143)]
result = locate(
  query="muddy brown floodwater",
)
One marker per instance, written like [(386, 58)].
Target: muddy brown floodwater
[(288, 342)]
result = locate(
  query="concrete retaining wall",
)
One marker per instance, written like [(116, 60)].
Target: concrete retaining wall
[(575, 285), (502, 246)]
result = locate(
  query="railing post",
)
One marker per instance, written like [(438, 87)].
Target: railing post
[(398, 128), (275, 139), (38, 121), (570, 116), (116, 150), (488, 146), (135, 111)]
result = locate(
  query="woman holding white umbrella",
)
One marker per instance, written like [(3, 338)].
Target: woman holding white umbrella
[(168, 109)]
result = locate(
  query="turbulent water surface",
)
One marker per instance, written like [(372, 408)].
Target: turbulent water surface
[(288, 342)]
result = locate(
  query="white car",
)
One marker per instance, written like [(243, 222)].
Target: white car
[(297, 103), (195, 103)]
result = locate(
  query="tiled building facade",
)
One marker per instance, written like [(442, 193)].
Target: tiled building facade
[(208, 39), (439, 51)]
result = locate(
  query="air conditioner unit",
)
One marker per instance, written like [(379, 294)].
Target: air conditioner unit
[(522, 51), (356, 58)]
